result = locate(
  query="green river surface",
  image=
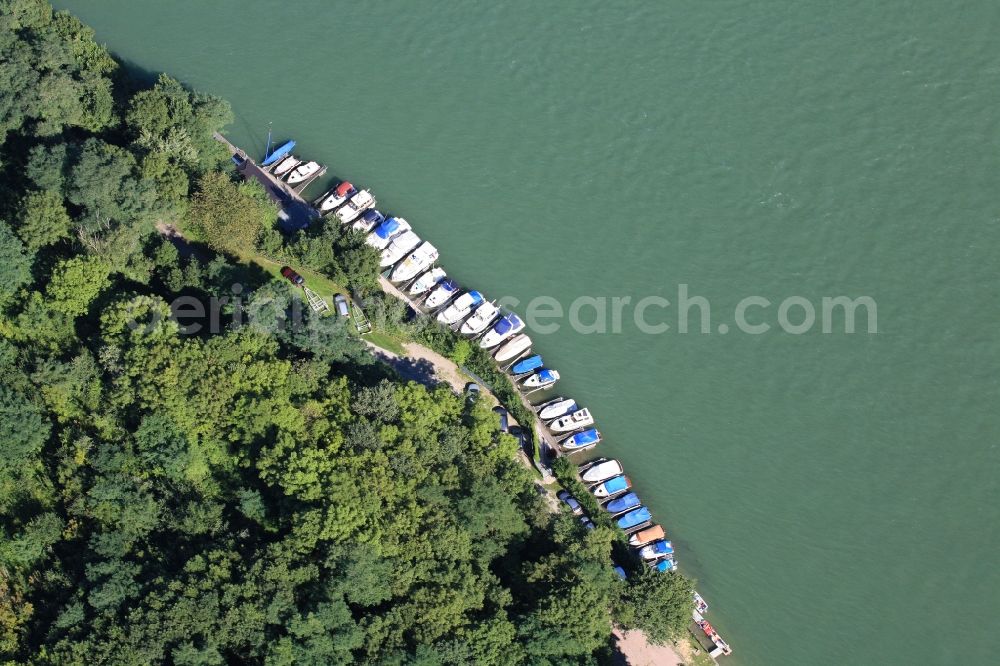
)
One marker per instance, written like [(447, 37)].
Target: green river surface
[(835, 495)]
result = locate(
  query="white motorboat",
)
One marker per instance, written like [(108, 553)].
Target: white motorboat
[(460, 308), (582, 440), (427, 281), (601, 471), (543, 378), (303, 172), (612, 487), (368, 221), (286, 165), (507, 327), (578, 419), (642, 537), (336, 197), (398, 248), (557, 407), (441, 294), (356, 205), (656, 550), (513, 348), (383, 234), (481, 319), (419, 260)]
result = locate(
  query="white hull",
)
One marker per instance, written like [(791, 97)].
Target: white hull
[(580, 419), (420, 260), (303, 172), (457, 310), (647, 552), (554, 410), (286, 165), (358, 204), (481, 319), (602, 471), (536, 381), (331, 202), (426, 281), (398, 248), (492, 339), (513, 348), (648, 535), (382, 243)]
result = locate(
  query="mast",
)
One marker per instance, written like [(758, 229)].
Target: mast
[(267, 149)]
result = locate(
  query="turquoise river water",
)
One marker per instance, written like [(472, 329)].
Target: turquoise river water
[(836, 494)]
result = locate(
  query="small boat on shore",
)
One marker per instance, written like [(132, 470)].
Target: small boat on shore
[(303, 172), (664, 565), (643, 537), (513, 348), (286, 165), (543, 378), (526, 365), (419, 260), (460, 308), (578, 419), (427, 281), (600, 470), (398, 248), (442, 293), (278, 153), (656, 549), (390, 228), (633, 518), (481, 319), (336, 197), (369, 221), (612, 487), (556, 407), (582, 440), (624, 503), (508, 326), (356, 205)]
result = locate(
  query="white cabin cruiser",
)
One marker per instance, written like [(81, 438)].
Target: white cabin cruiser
[(557, 407), (442, 293), (286, 165), (382, 235), (427, 281), (543, 378), (398, 248), (480, 320), (368, 221), (578, 419), (507, 327), (460, 308), (513, 348), (336, 197), (356, 205), (303, 172), (601, 471), (419, 260)]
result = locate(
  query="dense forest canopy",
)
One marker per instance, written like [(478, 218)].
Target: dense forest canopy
[(263, 493)]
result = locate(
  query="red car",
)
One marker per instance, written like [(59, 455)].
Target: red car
[(292, 276)]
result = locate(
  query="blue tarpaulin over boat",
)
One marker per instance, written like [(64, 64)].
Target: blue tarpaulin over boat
[(546, 376), (477, 298), (372, 217), (387, 228), (665, 565), (616, 484), (623, 503), (278, 153), (583, 438), (662, 547), (633, 518), (527, 365), (504, 324)]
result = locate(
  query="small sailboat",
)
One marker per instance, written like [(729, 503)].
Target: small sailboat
[(643, 537), (664, 565), (513, 348), (427, 281), (356, 205), (633, 518), (582, 440), (383, 234), (286, 165), (611, 487), (369, 220), (600, 470), (460, 308), (578, 419), (278, 152), (543, 378), (526, 365), (419, 260), (481, 319), (624, 503), (303, 172), (398, 248), (442, 293), (557, 407), (336, 197), (656, 549), (508, 326)]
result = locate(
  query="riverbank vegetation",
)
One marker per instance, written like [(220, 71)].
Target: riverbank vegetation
[(255, 493)]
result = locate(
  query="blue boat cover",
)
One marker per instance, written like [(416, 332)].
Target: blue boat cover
[(662, 547), (387, 228), (515, 321), (634, 517), (624, 502), (546, 376), (448, 285), (505, 324), (664, 565), (372, 216), (278, 153), (585, 437), (477, 298), (615, 484), (527, 365)]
